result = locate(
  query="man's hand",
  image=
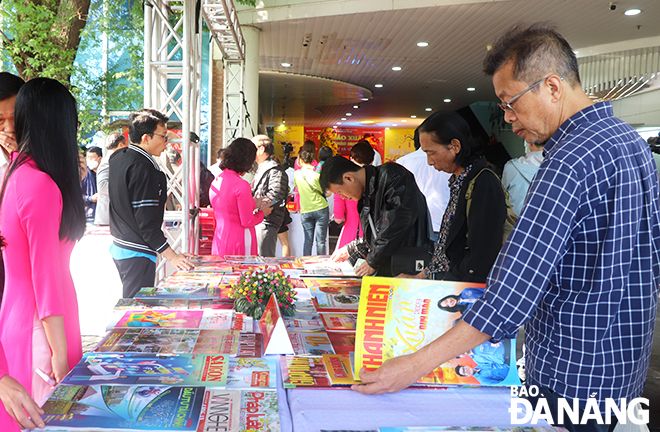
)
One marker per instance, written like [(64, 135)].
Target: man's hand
[(392, 376), (340, 255), (17, 402), (178, 261), (8, 142), (94, 198), (365, 270)]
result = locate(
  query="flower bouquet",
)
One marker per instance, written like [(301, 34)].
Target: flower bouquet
[(254, 288)]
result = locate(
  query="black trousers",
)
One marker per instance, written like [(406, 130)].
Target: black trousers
[(136, 273)]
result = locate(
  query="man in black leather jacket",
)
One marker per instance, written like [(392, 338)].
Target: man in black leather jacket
[(393, 211)]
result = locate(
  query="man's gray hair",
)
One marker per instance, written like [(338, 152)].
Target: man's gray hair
[(537, 51)]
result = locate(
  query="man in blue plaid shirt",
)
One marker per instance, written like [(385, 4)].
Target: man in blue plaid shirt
[(581, 268)]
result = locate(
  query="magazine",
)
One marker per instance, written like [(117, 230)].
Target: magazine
[(183, 319), (310, 343), (342, 343), (400, 316), (150, 303), (250, 345), (166, 341), (162, 408), (164, 292), (339, 322), (150, 369), (300, 371), (326, 302), (245, 373)]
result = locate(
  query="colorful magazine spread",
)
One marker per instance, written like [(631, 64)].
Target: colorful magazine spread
[(339, 322), (325, 302), (150, 369), (183, 319), (161, 408), (400, 316), (170, 341)]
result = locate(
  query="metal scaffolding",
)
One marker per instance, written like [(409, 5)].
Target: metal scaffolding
[(172, 85)]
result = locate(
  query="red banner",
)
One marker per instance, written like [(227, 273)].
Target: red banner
[(341, 139)]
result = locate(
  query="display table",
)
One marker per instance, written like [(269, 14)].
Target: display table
[(311, 410)]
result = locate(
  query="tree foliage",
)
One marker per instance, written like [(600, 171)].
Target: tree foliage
[(41, 37)]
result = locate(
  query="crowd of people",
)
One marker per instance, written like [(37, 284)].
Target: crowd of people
[(581, 267)]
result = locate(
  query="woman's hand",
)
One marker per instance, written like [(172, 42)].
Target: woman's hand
[(60, 366), (18, 402)]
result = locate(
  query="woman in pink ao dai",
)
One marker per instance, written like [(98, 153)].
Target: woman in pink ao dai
[(236, 211), (41, 218)]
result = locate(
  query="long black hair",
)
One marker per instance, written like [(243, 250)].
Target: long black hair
[(456, 308), (46, 121)]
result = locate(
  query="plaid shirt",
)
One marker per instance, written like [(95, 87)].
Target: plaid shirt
[(581, 268)]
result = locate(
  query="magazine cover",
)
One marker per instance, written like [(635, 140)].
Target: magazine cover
[(310, 343), (339, 369), (340, 322), (300, 371), (164, 292), (323, 266), (183, 319), (250, 345), (150, 303), (162, 408), (342, 343), (245, 373), (306, 324), (400, 316), (166, 341), (325, 302), (335, 286), (207, 370)]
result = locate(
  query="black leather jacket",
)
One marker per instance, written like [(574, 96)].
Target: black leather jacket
[(399, 213)]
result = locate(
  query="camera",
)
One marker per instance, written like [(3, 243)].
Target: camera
[(612, 6), (287, 148)]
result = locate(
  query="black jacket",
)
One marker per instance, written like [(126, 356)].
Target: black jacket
[(138, 192), (399, 212), (472, 255)]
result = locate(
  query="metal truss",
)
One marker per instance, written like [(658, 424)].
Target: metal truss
[(172, 85), (222, 20)]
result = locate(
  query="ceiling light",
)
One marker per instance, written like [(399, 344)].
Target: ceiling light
[(356, 106), (446, 101), (428, 109), (285, 64), (349, 114), (413, 116), (403, 121), (365, 99), (368, 122), (334, 126), (378, 85), (422, 44), (396, 68), (471, 89), (283, 121), (387, 128), (631, 12), (343, 118), (338, 123), (394, 124)]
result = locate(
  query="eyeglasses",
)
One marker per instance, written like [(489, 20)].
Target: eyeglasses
[(506, 106), (165, 137)]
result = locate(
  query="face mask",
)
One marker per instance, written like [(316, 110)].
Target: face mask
[(92, 164)]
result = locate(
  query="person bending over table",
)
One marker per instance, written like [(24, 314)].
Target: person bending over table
[(580, 268), (393, 211), (470, 238)]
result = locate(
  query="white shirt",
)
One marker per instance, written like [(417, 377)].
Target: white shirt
[(434, 184)]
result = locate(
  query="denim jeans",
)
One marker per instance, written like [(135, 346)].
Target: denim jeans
[(315, 224)]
